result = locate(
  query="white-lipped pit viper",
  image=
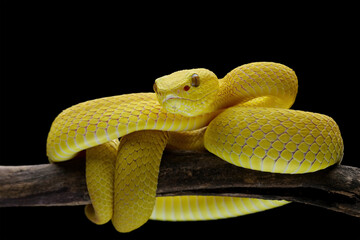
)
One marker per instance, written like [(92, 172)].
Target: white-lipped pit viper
[(242, 118)]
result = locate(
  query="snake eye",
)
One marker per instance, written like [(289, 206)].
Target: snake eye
[(195, 80)]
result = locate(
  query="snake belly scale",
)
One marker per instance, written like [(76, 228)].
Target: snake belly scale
[(243, 118)]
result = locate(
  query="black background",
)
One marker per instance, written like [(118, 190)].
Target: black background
[(57, 54)]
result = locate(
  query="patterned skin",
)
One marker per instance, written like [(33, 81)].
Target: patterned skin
[(242, 118)]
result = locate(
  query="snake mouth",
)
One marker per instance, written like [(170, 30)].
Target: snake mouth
[(186, 106), (173, 96)]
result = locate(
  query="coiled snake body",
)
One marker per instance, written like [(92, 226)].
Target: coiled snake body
[(242, 118)]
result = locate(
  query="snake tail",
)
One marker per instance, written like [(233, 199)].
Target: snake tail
[(199, 208)]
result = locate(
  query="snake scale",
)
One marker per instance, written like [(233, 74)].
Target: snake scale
[(243, 118)]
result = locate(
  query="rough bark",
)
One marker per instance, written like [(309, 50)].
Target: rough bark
[(187, 173)]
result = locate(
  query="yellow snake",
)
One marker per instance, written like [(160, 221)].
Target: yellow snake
[(243, 118)]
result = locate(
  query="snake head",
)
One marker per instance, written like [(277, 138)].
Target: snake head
[(187, 92)]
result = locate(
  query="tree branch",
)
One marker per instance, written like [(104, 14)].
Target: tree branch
[(187, 173)]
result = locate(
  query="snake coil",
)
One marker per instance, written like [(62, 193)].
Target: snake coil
[(243, 118)]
